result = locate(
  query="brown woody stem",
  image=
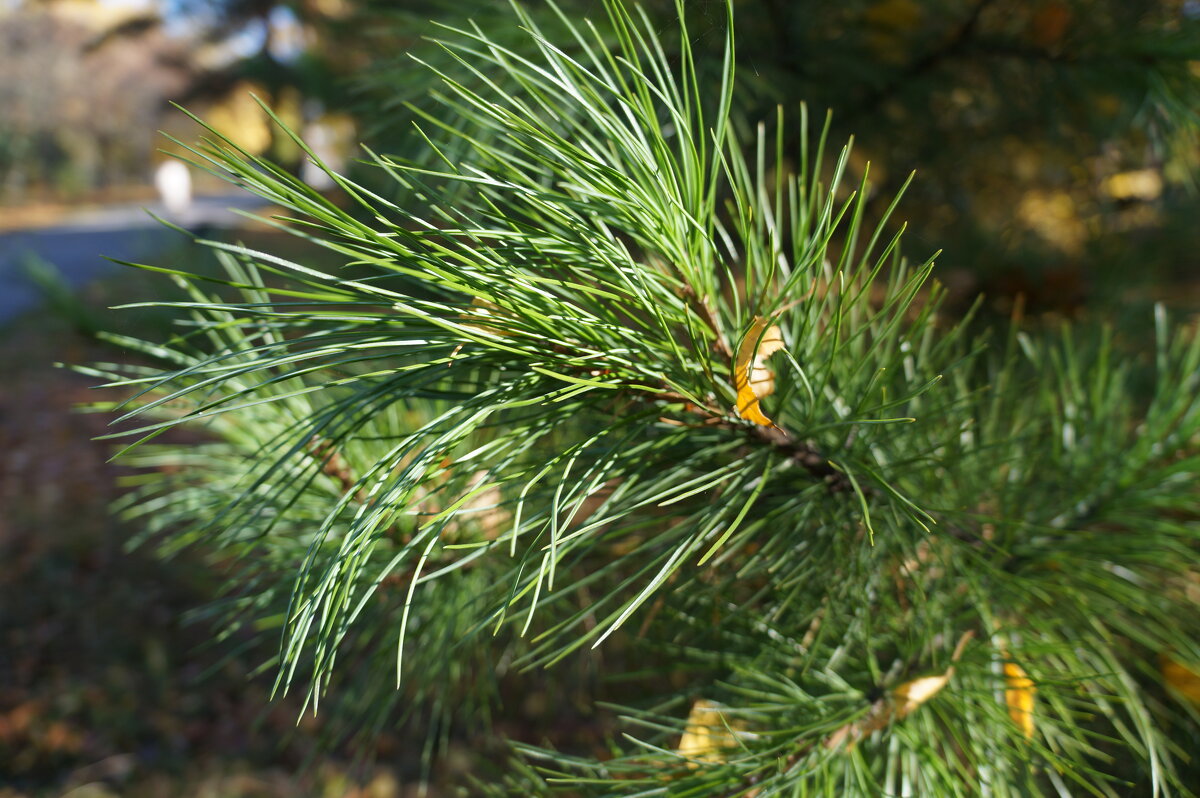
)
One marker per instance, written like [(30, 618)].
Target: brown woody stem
[(800, 453)]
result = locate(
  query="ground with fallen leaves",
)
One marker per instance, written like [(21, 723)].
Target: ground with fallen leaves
[(106, 688)]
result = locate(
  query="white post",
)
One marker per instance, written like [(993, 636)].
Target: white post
[(174, 184)]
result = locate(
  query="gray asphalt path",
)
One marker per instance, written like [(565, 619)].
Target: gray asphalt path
[(78, 246)]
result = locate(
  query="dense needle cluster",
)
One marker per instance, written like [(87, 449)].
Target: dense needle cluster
[(621, 375)]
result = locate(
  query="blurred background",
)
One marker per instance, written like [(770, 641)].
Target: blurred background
[(1056, 144)]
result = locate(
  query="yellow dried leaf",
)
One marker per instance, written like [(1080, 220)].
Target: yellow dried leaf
[(1184, 680), (904, 699), (485, 308), (1019, 697), (751, 377), (707, 733), (913, 694)]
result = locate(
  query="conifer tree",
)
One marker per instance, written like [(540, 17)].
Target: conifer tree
[(616, 379)]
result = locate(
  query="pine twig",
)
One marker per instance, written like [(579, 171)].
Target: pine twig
[(882, 712), (800, 453)]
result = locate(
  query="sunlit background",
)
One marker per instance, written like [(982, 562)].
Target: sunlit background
[(1056, 145)]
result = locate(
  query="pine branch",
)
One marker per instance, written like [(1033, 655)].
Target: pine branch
[(532, 396)]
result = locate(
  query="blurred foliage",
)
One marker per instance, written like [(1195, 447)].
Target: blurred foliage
[(110, 684), (87, 85), (78, 111), (1056, 140)]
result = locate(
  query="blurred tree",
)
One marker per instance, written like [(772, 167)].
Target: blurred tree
[(80, 109), (299, 57), (85, 84)]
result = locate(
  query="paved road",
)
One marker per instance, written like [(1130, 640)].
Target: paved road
[(77, 247)]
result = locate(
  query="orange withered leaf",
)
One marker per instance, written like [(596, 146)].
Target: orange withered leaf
[(751, 377), (1018, 696)]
